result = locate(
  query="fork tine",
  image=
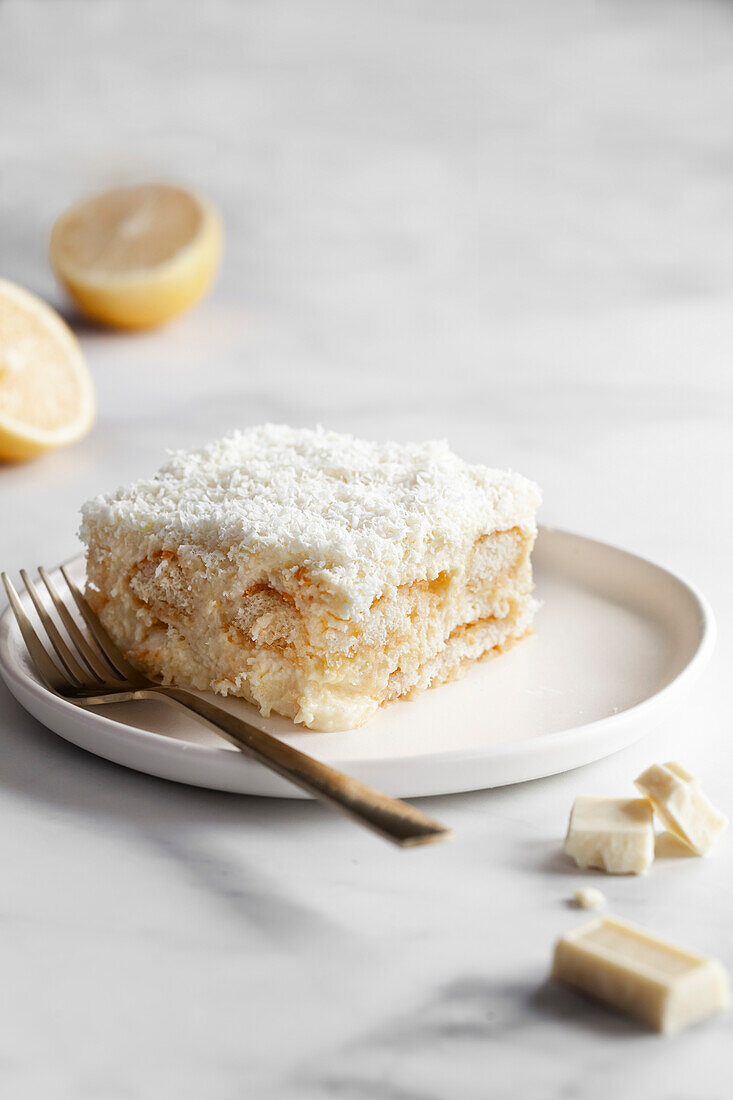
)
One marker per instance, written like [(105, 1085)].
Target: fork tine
[(96, 664), (49, 672), (118, 663), (64, 654)]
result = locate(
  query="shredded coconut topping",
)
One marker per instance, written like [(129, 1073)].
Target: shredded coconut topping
[(358, 517)]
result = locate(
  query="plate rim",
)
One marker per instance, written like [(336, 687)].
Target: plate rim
[(172, 746)]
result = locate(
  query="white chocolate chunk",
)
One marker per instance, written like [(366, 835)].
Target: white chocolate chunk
[(589, 898), (681, 806), (615, 835), (633, 971)]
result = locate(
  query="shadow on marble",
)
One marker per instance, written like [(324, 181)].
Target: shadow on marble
[(178, 821), (397, 1060), (554, 1000), (78, 323), (84, 326), (549, 857), (467, 1018)]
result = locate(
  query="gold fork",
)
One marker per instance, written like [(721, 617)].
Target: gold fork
[(93, 671)]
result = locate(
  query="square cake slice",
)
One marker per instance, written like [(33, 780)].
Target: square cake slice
[(314, 574)]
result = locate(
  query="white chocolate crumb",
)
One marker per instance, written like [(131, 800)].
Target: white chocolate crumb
[(589, 898)]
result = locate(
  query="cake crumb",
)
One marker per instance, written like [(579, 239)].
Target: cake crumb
[(589, 898)]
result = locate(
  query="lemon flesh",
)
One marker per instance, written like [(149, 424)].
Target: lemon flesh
[(135, 257), (46, 391)]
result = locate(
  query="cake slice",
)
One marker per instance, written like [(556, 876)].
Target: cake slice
[(311, 573)]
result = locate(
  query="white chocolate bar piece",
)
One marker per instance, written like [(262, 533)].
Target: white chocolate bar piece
[(589, 898), (681, 806), (612, 834), (633, 971)]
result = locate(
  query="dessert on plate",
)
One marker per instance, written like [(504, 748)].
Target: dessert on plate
[(315, 575)]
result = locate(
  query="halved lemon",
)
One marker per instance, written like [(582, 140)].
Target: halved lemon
[(135, 257), (46, 391)]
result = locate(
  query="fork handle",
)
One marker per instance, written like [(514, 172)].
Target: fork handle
[(390, 817)]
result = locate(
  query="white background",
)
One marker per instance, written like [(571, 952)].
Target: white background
[(507, 224)]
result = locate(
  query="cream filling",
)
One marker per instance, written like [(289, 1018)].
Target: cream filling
[(284, 651)]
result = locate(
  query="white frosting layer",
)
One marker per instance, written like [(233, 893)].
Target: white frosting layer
[(359, 517)]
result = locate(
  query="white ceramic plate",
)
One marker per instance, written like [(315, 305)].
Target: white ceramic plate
[(618, 639)]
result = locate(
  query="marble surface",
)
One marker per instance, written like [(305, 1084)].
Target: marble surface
[(508, 224)]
